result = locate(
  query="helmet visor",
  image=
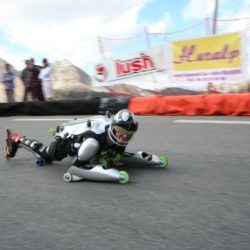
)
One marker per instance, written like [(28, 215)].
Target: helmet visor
[(123, 135)]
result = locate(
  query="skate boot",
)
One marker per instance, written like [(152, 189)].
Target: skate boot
[(38, 149), (12, 143)]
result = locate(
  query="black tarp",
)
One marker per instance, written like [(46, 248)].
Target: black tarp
[(68, 107), (113, 104)]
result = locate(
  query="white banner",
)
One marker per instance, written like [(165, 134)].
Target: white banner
[(139, 64)]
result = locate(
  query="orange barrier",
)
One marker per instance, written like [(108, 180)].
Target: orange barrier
[(216, 104)]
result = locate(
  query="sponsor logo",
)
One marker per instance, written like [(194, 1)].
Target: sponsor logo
[(189, 55), (134, 66), (100, 73)]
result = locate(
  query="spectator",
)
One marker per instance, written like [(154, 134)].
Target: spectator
[(211, 88), (8, 81), (35, 81), (26, 77), (45, 76)]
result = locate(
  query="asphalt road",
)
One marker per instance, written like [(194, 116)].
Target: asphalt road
[(202, 201)]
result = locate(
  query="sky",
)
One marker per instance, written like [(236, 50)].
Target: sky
[(83, 30)]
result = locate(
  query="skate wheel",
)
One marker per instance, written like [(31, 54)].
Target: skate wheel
[(8, 130), (67, 177), (40, 162), (7, 157), (164, 160), (124, 177), (52, 131)]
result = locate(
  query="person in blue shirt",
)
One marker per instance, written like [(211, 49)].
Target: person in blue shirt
[(8, 81)]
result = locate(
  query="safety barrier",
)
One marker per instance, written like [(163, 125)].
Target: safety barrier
[(69, 107), (217, 104), (113, 104)]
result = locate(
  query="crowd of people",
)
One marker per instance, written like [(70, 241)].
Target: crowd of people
[(36, 80)]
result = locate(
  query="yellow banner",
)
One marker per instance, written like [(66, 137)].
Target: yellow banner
[(215, 52)]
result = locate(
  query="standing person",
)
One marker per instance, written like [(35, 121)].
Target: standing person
[(26, 76), (36, 82), (8, 81), (211, 88), (45, 76)]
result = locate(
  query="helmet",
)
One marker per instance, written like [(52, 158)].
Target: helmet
[(122, 127)]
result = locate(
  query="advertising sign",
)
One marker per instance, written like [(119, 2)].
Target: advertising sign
[(217, 59), (135, 65)]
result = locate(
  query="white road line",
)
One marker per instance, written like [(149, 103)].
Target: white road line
[(41, 119), (213, 122)]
